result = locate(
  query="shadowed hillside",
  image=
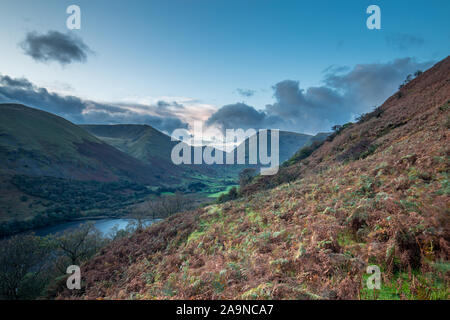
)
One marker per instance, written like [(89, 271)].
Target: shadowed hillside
[(375, 193)]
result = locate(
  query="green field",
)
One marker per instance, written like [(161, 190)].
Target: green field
[(218, 194)]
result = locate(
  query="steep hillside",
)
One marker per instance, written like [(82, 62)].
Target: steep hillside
[(409, 112), (376, 193)]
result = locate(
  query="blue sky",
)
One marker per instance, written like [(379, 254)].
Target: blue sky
[(200, 52)]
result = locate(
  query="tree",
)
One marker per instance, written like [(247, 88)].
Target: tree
[(22, 261), (336, 128), (161, 207), (230, 195), (171, 204), (246, 176), (409, 77), (76, 246), (145, 211)]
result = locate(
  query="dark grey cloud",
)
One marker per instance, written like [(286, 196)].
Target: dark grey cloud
[(346, 93), (403, 41), (246, 93), (55, 46), (238, 115), (18, 83), (367, 85), (22, 91), (89, 112)]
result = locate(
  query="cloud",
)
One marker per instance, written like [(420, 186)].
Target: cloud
[(403, 41), (346, 92), (238, 115), (81, 111), (18, 83), (246, 93), (55, 46), (367, 85)]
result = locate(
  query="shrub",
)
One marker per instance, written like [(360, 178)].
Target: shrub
[(303, 153), (231, 195), (376, 113), (246, 176), (407, 244), (359, 149)]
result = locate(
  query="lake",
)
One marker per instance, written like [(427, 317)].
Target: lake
[(103, 225)]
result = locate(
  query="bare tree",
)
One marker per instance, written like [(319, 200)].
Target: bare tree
[(171, 204), (141, 214), (246, 176), (161, 207), (77, 246), (22, 260)]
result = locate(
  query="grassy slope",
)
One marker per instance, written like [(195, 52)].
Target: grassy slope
[(312, 238)]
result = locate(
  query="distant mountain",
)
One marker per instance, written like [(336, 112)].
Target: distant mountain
[(143, 142), (154, 147), (289, 143)]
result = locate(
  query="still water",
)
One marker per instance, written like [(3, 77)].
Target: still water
[(105, 226)]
